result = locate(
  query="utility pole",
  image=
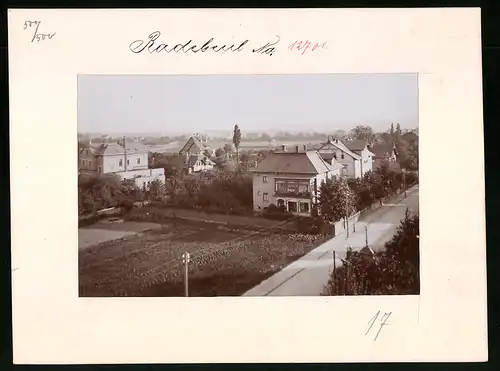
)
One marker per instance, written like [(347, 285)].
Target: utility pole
[(185, 260), (366, 235)]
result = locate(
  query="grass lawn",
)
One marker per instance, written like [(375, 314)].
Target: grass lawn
[(224, 262)]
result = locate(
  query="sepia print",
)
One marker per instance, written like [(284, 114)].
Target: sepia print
[(248, 185)]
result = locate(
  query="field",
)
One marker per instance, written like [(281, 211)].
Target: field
[(244, 145), (103, 232), (224, 261)]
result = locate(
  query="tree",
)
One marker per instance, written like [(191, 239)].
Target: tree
[(245, 161), (336, 199), (219, 152), (237, 141), (391, 131), (394, 271), (228, 148), (340, 134), (156, 189), (362, 133), (398, 130)]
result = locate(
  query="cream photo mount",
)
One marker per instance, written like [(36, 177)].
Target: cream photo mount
[(51, 324)]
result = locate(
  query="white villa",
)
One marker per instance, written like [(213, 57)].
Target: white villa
[(128, 160)]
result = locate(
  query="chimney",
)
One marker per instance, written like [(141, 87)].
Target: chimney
[(329, 140), (125, 150)]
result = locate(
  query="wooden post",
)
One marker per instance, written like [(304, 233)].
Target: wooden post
[(185, 260), (366, 235)]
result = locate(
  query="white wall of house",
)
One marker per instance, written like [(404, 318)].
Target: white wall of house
[(116, 163), (367, 161), (200, 166), (144, 176)]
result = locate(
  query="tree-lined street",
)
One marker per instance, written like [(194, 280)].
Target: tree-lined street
[(308, 275)]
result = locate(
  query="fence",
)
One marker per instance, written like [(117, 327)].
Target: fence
[(340, 226)]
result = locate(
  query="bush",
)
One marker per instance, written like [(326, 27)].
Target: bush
[(313, 225), (276, 213), (394, 271)]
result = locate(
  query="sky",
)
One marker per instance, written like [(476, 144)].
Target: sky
[(257, 103)]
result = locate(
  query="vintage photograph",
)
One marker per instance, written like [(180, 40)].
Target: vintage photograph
[(248, 185)]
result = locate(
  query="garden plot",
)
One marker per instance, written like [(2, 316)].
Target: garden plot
[(104, 232), (223, 262)]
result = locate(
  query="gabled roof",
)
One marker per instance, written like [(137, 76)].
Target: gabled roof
[(204, 159), (355, 144), (382, 150), (196, 142), (309, 162), (340, 145), (113, 148)]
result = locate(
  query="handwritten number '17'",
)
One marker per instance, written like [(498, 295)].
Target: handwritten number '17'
[(38, 36), (383, 322)]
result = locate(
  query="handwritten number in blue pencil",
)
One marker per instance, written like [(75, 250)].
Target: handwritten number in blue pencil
[(382, 322), (37, 36)]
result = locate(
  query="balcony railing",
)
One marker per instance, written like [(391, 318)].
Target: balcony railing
[(306, 194)]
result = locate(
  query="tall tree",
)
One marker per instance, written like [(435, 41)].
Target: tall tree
[(391, 130), (398, 130), (336, 199), (237, 141), (362, 133)]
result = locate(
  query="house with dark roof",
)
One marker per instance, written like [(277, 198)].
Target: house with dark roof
[(197, 145), (127, 159), (354, 163), (290, 179), (383, 154), (361, 148)]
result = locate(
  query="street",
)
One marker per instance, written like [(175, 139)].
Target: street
[(308, 275)]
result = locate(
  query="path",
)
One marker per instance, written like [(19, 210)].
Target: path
[(308, 275)]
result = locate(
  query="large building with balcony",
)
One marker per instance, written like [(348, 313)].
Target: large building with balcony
[(291, 179)]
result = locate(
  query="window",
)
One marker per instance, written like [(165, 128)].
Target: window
[(120, 163), (292, 206), (304, 207), (138, 160), (128, 162), (90, 163), (264, 179), (292, 186), (303, 187), (265, 197), (342, 155), (100, 169)]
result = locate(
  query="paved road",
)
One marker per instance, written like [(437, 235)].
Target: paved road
[(308, 275)]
